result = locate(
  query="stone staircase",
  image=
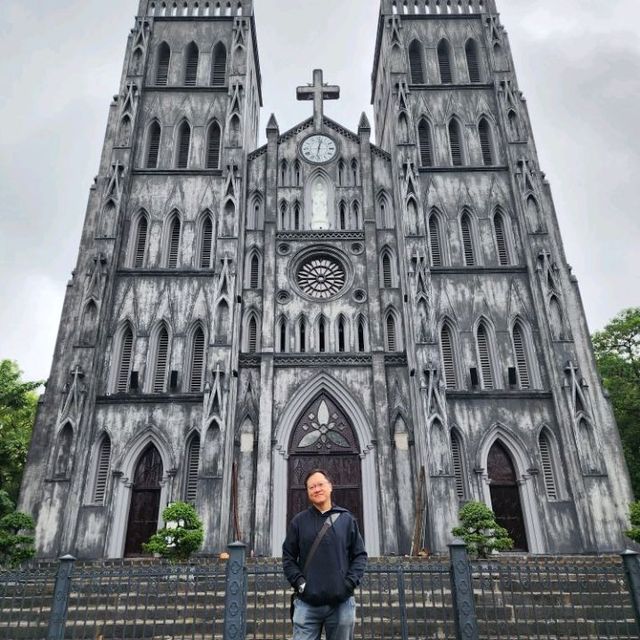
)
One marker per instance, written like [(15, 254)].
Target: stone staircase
[(521, 597)]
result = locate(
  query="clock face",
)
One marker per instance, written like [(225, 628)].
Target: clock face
[(318, 148)]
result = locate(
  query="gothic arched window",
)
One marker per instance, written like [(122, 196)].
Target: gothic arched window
[(282, 335), (252, 334), (139, 241), (183, 144), (102, 470), (160, 364), (284, 173), (387, 279), (483, 344), (192, 55), (501, 238), (473, 60), (322, 335), (424, 140), (354, 172), (548, 467), (89, 323), (63, 451), (467, 240), (486, 144), (296, 216), (521, 355), (153, 145), (455, 143), (416, 62), (362, 334), (196, 371), (393, 341), (205, 250), (458, 465), (214, 137), (222, 322), (173, 241), (219, 65), (444, 62), (193, 463), (343, 215), (254, 272), (447, 352), (124, 360), (341, 334), (435, 241), (302, 335), (162, 65)]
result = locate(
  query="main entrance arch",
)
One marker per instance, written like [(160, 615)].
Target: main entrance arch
[(324, 438)]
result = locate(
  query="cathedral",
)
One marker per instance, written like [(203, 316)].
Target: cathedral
[(399, 312)]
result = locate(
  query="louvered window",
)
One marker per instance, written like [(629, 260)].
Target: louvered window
[(141, 242), (484, 132), (124, 368), (386, 271), (254, 280), (197, 361), (501, 240), (206, 243), (102, 471), (174, 243), (162, 354), (193, 462), (473, 62), (162, 70), (252, 338), (213, 147), (361, 340), (448, 358), (547, 467), (424, 137), (434, 241), (153, 146), (191, 66), (321, 336), (415, 62), (219, 66), (303, 336), (391, 333), (467, 241), (283, 335), (455, 143), (444, 62), (458, 468), (521, 356), (484, 354), (184, 142), (341, 341)]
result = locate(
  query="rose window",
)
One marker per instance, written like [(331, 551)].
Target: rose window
[(321, 277)]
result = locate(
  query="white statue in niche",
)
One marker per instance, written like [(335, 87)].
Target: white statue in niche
[(319, 206)]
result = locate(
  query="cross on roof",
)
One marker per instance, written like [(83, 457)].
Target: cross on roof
[(318, 92)]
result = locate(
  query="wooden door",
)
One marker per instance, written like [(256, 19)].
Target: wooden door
[(324, 438), (145, 501), (505, 495)]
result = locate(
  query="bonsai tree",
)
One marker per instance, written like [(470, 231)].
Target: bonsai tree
[(480, 531), (634, 515), (181, 536), (16, 538)]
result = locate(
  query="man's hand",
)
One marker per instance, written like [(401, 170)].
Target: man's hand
[(301, 586)]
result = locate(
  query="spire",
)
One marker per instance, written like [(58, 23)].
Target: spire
[(364, 123), (272, 125)]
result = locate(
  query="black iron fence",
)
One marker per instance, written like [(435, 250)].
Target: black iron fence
[(506, 598)]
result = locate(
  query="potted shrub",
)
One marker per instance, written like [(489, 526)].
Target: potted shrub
[(480, 531), (181, 536)]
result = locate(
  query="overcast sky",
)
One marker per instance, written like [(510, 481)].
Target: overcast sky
[(578, 64)]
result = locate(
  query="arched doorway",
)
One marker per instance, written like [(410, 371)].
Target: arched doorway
[(145, 501), (505, 495), (323, 437)]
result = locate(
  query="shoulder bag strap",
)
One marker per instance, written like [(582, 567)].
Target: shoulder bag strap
[(330, 521)]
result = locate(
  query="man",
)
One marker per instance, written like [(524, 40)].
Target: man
[(324, 571)]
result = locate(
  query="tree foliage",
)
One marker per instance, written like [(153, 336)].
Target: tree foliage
[(181, 536), (617, 350), (18, 402), (634, 517), (16, 538), (480, 531)]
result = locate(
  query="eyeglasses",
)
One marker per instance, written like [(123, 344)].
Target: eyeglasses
[(318, 485)]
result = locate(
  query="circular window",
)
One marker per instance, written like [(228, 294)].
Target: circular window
[(283, 297), (357, 248), (321, 276), (359, 295), (284, 248)]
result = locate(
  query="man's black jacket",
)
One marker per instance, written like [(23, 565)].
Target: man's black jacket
[(338, 564)]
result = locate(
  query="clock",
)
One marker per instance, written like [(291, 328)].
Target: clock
[(318, 148)]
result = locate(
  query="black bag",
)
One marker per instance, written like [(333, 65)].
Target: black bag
[(325, 527)]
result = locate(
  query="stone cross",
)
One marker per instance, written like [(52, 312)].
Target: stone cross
[(318, 92)]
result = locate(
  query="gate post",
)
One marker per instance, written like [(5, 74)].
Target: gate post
[(58, 614), (464, 608), (632, 571), (235, 593)]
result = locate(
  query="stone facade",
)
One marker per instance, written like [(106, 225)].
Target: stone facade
[(401, 313)]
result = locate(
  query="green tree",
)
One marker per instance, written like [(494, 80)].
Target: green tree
[(16, 538), (181, 536), (480, 531), (18, 401), (617, 350)]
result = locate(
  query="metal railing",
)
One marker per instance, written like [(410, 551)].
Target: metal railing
[(505, 598)]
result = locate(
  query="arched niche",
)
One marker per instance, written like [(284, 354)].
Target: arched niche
[(319, 202)]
